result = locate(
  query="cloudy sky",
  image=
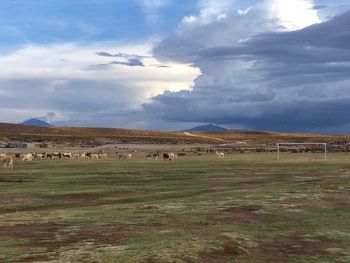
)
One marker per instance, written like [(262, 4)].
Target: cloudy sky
[(278, 65)]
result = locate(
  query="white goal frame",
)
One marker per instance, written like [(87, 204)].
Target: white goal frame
[(305, 143)]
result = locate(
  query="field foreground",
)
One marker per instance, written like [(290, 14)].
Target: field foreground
[(245, 208)]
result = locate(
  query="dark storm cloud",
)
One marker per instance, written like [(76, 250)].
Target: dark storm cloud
[(286, 81), (325, 42), (302, 115)]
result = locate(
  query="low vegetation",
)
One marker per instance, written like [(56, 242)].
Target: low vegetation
[(244, 208)]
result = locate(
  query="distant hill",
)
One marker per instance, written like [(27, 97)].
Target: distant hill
[(207, 128), (88, 136), (99, 136), (36, 122)]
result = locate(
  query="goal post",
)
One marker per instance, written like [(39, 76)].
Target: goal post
[(301, 144)]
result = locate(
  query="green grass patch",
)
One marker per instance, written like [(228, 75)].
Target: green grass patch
[(244, 208)]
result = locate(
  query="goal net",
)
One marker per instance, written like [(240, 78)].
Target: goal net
[(299, 147)]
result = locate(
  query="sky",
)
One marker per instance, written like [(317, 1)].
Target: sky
[(273, 65)]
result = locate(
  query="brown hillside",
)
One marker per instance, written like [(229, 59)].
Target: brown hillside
[(271, 137), (16, 132), (84, 135)]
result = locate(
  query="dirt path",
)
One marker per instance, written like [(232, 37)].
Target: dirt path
[(201, 136)]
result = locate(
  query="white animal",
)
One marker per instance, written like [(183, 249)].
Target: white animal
[(172, 156), (76, 156), (129, 156), (220, 154), (2, 156), (95, 156), (27, 157), (103, 155), (83, 156), (39, 156), (6, 163)]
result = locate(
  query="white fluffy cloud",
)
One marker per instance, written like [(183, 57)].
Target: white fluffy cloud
[(293, 15), (76, 83)]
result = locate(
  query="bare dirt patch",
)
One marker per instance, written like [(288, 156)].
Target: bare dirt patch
[(278, 248), (34, 231), (243, 214), (53, 237)]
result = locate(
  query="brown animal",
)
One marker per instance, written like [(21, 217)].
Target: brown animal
[(67, 155), (156, 156), (166, 157), (122, 156)]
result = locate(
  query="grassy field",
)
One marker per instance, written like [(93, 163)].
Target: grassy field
[(245, 208)]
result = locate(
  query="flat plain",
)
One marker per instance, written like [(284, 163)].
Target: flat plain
[(244, 208)]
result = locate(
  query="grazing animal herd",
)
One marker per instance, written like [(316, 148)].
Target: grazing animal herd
[(7, 160)]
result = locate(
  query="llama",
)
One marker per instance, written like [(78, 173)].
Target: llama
[(220, 155)]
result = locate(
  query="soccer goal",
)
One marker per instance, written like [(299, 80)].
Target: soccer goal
[(288, 144)]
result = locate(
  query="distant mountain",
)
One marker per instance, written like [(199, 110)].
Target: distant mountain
[(207, 128), (36, 122)]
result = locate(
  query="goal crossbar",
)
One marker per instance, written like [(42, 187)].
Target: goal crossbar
[(304, 143)]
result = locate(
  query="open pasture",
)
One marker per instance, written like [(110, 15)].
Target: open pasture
[(244, 208)]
